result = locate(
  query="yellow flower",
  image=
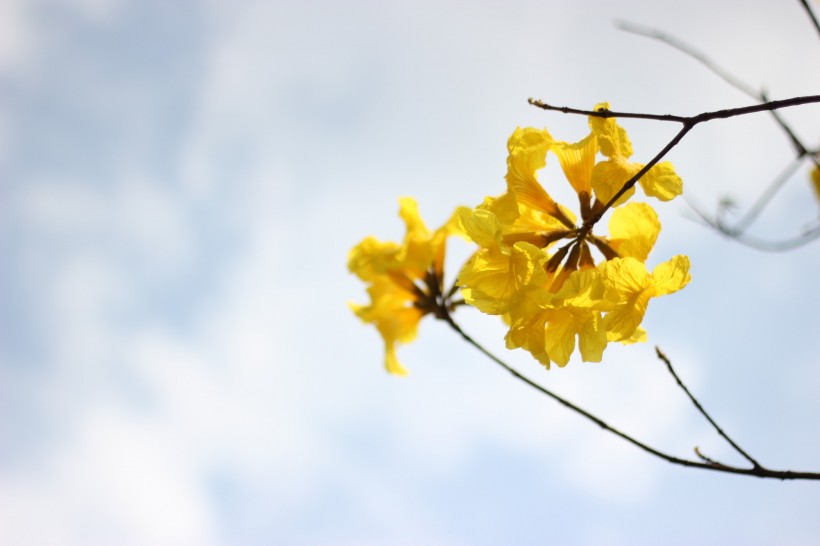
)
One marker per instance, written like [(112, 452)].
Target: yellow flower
[(534, 265), (394, 313), (493, 275), (633, 230), (630, 287), (405, 281), (527, 154), (546, 324), (609, 176)]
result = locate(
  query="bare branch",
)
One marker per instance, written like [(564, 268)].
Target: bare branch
[(702, 411), (688, 122), (807, 237), (723, 74), (765, 198), (811, 15), (757, 471), (685, 48)]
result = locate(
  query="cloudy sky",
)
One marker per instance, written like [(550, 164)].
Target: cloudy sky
[(180, 183)]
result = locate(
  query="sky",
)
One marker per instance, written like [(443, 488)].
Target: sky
[(181, 182)]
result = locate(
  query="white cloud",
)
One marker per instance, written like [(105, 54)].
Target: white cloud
[(267, 380)]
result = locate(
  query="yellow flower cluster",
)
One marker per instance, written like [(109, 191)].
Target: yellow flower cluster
[(551, 293), (534, 265), (406, 280)]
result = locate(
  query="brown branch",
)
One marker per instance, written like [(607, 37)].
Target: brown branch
[(706, 459), (702, 411), (688, 122), (723, 74), (756, 471)]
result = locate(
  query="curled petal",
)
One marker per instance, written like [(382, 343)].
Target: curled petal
[(493, 276), (528, 326), (608, 177), (560, 337), (633, 230), (671, 276), (592, 339), (482, 227), (577, 161), (416, 253), (527, 154), (391, 362), (662, 182), (612, 138), (372, 257)]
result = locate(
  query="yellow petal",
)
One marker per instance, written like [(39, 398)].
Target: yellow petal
[(577, 161), (662, 182), (608, 177), (492, 277), (583, 289), (416, 253), (638, 336), (372, 257), (671, 276), (592, 339), (629, 289), (409, 212), (624, 277), (482, 227), (612, 138), (505, 207), (633, 230), (528, 327), (560, 337), (391, 363), (527, 154)]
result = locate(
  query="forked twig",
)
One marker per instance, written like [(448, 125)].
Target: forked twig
[(736, 232), (705, 463), (723, 74), (688, 122), (702, 411)]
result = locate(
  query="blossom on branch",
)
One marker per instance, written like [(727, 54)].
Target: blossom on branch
[(405, 280), (535, 265)]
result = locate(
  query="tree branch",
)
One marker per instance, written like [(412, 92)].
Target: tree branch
[(706, 464), (766, 246), (702, 411), (811, 15), (690, 51), (688, 122)]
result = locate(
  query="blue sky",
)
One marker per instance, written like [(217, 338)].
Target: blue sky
[(181, 182)]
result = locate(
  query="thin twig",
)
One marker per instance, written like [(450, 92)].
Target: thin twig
[(688, 122), (694, 120), (685, 48), (811, 15), (723, 74), (753, 242), (702, 411), (756, 471), (765, 198), (704, 458)]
